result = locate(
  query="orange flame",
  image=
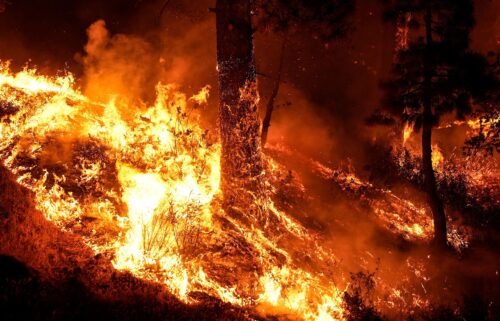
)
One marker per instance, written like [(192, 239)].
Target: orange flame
[(407, 131), (152, 186)]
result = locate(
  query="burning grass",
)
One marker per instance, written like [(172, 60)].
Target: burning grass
[(140, 184), (137, 186)]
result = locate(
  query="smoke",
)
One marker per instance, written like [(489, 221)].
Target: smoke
[(130, 65), (119, 64), (296, 123)]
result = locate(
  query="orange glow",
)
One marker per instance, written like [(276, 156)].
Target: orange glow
[(149, 178), (407, 131), (437, 156)]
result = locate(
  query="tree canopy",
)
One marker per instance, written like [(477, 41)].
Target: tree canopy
[(326, 20), (460, 76)]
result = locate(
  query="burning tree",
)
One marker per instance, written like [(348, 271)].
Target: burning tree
[(241, 161), (146, 189), (436, 73)]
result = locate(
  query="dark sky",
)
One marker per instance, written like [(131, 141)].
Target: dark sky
[(50, 32), (339, 83)]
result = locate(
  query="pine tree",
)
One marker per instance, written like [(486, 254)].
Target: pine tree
[(436, 74)]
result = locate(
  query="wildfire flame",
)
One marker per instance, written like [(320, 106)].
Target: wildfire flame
[(143, 181), (140, 184), (407, 131), (437, 156)]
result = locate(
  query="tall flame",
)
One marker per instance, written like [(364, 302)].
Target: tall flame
[(148, 176), (407, 131), (437, 156)]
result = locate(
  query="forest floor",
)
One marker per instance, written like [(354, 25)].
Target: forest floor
[(49, 274)]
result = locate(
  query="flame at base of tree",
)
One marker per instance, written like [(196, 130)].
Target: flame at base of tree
[(141, 184)]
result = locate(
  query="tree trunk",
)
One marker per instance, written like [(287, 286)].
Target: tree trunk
[(435, 202), (241, 162), (272, 99)]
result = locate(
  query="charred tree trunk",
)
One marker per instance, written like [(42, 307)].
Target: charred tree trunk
[(272, 99), (435, 202), (241, 163)]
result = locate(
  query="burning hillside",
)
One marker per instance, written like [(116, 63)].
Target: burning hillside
[(141, 183), (124, 194)]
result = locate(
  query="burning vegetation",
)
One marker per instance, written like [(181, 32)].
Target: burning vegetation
[(130, 203), (140, 184)]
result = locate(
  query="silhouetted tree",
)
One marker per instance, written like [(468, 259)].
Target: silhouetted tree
[(325, 20), (266, 123), (241, 162), (487, 138), (437, 73)]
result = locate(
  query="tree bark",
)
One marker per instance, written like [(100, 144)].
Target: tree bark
[(241, 162), (272, 99), (430, 187)]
